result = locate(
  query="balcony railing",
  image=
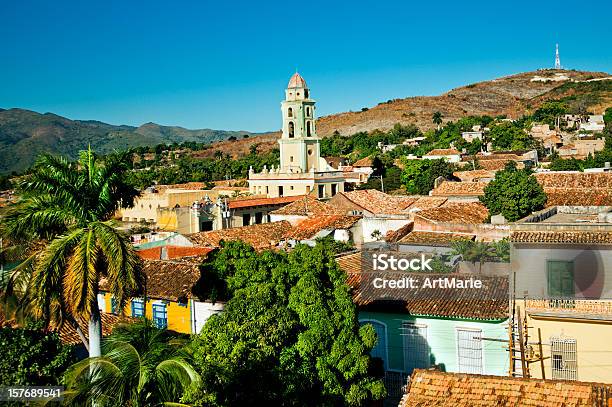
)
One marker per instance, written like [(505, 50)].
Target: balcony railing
[(570, 307)]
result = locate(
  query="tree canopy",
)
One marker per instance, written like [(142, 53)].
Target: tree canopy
[(288, 336), (419, 176), (514, 193)]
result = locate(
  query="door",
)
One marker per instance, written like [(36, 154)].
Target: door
[(469, 351), (560, 276), (416, 347)]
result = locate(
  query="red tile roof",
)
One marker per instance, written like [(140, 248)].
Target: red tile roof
[(394, 236), (254, 202), (307, 206), (487, 303), (434, 238), (474, 175), (430, 388), (575, 237), (496, 164), (443, 151), (69, 336), (578, 196), (470, 213), (427, 202), (171, 280), (449, 188), (174, 252), (364, 162), (310, 227), (563, 179), (260, 236), (378, 202)]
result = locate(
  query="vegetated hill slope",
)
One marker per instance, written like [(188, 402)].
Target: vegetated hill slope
[(513, 96), (25, 134)]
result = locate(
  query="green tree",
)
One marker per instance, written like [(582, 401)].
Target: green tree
[(514, 193), (509, 136), (419, 176), (141, 366), (549, 112), (474, 252), (288, 336), (436, 118), (68, 208), (32, 356)]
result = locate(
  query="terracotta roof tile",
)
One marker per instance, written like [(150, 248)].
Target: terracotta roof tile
[(174, 252), (470, 212), (427, 202), (450, 188), (307, 206), (260, 236), (576, 237), (563, 179), (434, 238), (487, 303), (496, 164), (69, 336), (430, 388), (253, 202), (394, 236), (171, 280), (364, 162), (443, 151), (474, 175), (378, 202), (310, 227), (578, 196)]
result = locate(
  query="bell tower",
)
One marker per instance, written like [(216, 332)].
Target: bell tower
[(299, 144)]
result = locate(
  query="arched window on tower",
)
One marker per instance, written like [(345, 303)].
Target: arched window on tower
[(306, 93), (308, 111), (308, 134), (290, 112), (291, 130)]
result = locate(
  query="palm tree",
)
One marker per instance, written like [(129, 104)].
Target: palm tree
[(141, 366), (474, 252), (437, 119), (65, 216)]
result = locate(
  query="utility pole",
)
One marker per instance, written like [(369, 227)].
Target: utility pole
[(382, 184)]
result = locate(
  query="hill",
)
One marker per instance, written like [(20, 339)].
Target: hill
[(25, 134), (512, 96)]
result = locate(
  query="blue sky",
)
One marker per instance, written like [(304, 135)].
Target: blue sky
[(224, 64)]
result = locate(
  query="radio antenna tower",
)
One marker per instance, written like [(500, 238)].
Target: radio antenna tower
[(557, 59)]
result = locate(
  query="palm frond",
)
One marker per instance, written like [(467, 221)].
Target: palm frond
[(81, 275)]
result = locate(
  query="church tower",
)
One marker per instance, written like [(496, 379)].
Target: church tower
[(299, 144), (301, 170)]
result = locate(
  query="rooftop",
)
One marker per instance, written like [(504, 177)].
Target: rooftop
[(420, 238), (429, 388), (469, 213), (261, 236), (576, 237), (450, 188), (378, 202), (443, 151), (254, 202), (426, 202), (296, 81), (310, 227), (474, 175), (364, 162), (306, 206), (173, 252), (487, 303)]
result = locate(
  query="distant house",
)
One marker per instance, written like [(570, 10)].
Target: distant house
[(440, 389), (470, 136), (249, 211), (304, 208), (418, 330), (581, 148), (364, 166), (342, 228), (449, 154), (475, 175), (464, 191), (260, 236), (595, 123)]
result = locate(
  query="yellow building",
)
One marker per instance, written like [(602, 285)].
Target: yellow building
[(170, 300), (302, 170)]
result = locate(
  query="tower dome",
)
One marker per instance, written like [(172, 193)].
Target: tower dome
[(296, 81)]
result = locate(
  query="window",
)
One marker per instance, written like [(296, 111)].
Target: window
[(308, 111), (416, 348), (138, 308), (206, 226), (160, 315), (280, 191), (258, 217), (246, 219), (380, 348), (309, 151), (290, 112), (114, 306), (308, 134), (469, 351), (334, 189), (290, 158), (564, 362), (306, 93), (291, 130), (321, 191), (560, 276)]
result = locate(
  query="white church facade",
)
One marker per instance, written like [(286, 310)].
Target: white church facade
[(302, 171)]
